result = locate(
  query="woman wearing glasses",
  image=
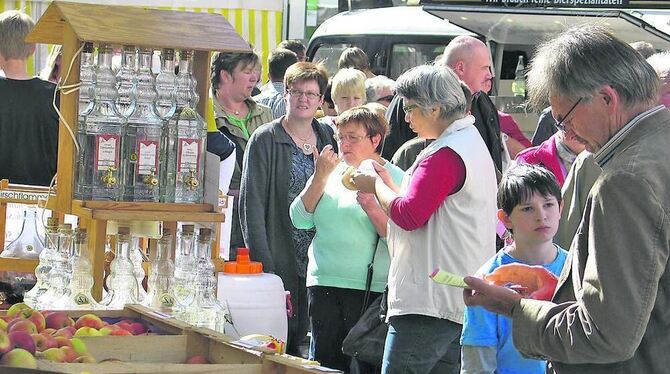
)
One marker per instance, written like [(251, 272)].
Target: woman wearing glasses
[(441, 216), (278, 160), (348, 227)]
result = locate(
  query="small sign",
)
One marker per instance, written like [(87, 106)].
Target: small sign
[(107, 151), (148, 159)]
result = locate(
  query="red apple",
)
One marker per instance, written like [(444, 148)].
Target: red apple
[(16, 308), (58, 320), (44, 342), (22, 325), (35, 317), (120, 332), (21, 339), (137, 328), (64, 332), (89, 320), (19, 358), (52, 354), (199, 359), (63, 341), (70, 354), (123, 325), (5, 343)]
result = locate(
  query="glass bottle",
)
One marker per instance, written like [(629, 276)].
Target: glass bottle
[(61, 271), (44, 267), (125, 81), (184, 269), (142, 142), (78, 294), (186, 134), (166, 82), (123, 284), (137, 258), (206, 310), (28, 244), (87, 78), (99, 138), (519, 83), (160, 294)]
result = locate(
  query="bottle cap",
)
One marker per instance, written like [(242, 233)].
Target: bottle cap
[(205, 234), (124, 230), (187, 229), (167, 231), (243, 265)]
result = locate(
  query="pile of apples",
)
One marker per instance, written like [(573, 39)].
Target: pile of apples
[(27, 335)]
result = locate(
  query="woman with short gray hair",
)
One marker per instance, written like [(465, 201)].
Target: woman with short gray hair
[(451, 227)]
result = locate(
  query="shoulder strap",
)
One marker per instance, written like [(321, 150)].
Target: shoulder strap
[(368, 279)]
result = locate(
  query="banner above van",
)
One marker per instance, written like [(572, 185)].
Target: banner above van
[(607, 4)]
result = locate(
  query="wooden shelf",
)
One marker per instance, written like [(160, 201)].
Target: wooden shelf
[(20, 265), (120, 211)]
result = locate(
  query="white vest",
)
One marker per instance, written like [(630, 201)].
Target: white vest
[(459, 237)]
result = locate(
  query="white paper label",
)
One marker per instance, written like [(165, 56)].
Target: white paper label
[(147, 162), (188, 155), (106, 152)]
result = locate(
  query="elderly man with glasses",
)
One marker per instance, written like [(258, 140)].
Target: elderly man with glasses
[(609, 311)]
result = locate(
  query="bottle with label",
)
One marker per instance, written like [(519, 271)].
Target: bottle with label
[(78, 294), (160, 293), (99, 138), (166, 82), (87, 78), (123, 284), (142, 142), (519, 84), (45, 264), (28, 244), (125, 81), (61, 271), (206, 310), (184, 269), (186, 138)]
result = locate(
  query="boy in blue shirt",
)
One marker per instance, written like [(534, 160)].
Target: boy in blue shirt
[(530, 205)]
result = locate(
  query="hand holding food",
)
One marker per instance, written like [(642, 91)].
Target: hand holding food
[(533, 282)]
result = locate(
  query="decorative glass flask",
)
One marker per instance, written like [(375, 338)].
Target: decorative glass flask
[(28, 244), (46, 262), (160, 294), (61, 271), (125, 81), (184, 269), (142, 142), (206, 310), (99, 138), (186, 134), (123, 285), (87, 78), (166, 84), (78, 295), (137, 258)]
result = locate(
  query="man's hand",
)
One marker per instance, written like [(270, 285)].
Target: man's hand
[(496, 299)]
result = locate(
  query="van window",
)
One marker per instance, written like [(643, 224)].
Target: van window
[(330, 54), (406, 56)]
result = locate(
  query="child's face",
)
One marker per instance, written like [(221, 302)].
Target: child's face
[(534, 221)]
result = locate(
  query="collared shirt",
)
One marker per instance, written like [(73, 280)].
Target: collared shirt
[(272, 95)]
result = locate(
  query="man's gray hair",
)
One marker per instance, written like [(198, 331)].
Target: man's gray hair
[(14, 27), (430, 85), (661, 64), (581, 60), (375, 85)]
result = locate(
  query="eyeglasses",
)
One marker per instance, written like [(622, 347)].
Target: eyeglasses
[(409, 108), (559, 124), (309, 95), (351, 139)]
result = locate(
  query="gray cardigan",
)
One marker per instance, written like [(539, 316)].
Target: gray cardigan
[(264, 204)]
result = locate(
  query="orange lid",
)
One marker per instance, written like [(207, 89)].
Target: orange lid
[(243, 265)]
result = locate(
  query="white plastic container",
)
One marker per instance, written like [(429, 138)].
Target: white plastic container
[(256, 300)]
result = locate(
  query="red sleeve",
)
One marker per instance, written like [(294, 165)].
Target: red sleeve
[(435, 177), (509, 126)]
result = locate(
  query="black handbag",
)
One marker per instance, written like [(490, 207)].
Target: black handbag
[(365, 341)]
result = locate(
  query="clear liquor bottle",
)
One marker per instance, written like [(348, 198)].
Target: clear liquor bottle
[(78, 295), (99, 138), (123, 284), (142, 143), (125, 81), (137, 259), (46, 262), (206, 310), (166, 84), (184, 269), (87, 78), (28, 244), (186, 135), (160, 294), (61, 271)]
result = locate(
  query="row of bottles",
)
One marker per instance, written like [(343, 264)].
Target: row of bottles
[(140, 138)]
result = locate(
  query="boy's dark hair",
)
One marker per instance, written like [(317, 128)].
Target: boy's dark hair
[(280, 59), (228, 61), (520, 182), (295, 46)]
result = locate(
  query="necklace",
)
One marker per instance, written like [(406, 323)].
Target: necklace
[(307, 147)]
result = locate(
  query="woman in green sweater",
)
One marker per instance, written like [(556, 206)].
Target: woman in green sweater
[(348, 225)]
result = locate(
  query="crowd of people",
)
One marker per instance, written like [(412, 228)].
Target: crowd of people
[(442, 180)]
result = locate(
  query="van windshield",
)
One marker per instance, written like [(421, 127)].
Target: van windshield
[(406, 56), (330, 54)]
